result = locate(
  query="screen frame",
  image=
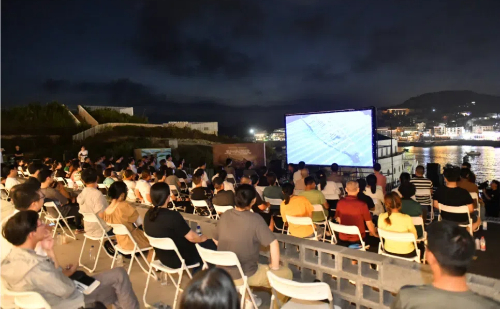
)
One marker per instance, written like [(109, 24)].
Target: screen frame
[(374, 132)]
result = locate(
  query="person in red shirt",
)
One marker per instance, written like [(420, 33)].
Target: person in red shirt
[(381, 179), (354, 212)]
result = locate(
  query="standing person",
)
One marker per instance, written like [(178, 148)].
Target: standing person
[(492, 199), (353, 212), (229, 167), (131, 165), (450, 251), (381, 179), (331, 192), (289, 172), (335, 176), (421, 182), (453, 196), (249, 169), (83, 154), (300, 184), (18, 154), (298, 174), (10, 173), (203, 167), (297, 206), (395, 221)]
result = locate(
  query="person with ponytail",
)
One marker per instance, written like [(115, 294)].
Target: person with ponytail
[(160, 222), (395, 221), (296, 206), (120, 211), (375, 192)]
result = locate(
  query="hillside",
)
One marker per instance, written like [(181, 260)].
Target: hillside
[(453, 100)]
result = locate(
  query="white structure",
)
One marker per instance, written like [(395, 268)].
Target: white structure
[(454, 131), (124, 110), (211, 128), (440, 130), (420, 126), (260, 136), (278, 135), (481, 129)]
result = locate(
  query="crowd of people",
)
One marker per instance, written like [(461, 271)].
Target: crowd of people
[(261, 204)]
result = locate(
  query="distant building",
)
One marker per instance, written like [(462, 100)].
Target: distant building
[(481, 129), (261, 136), (397, 112), (454, 131), (440, 130), (385, 131), (420, 126), (211, 128), (124, 110), (278, 135)]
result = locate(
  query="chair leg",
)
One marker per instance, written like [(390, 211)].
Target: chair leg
[(131, 262), (147, 264), (81, 253), (177, 290), (97, 257), (251, 296), (114, 259), (146, 288), (69, 228)]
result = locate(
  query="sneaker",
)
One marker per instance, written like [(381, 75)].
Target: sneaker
[(248, 302)]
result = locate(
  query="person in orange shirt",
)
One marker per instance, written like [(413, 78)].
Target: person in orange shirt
[(296, 206), (381, 179)]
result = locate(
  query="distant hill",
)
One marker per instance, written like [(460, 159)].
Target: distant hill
[(454, 100)]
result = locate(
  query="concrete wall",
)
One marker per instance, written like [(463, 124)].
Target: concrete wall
[(77, 122), (87, 117), (99, 128), (353, 286), (124, 110)]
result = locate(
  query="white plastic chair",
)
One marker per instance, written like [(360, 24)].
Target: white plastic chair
[(320, 208), (348, 230), (20, 174), (92, 218), (456, 210), (260, 190), (426, 193), (399, 237), (27, 300), (57, 220), (175, 194), (102, 186), (227, 258), (121, 230), (220, 210), (231, 179), (201, 204), (418, 221), (183, 183), (295, 220), (69, 183), (303, 295), (168, 245), (477, 207), (276, 202), (60, 179), (4, 192), (80, 184)]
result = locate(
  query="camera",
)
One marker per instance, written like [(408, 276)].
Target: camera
[(483, 185)]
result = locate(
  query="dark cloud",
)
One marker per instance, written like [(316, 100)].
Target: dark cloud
[(321, 73)]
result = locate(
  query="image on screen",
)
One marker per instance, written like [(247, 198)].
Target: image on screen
[(342, 137)]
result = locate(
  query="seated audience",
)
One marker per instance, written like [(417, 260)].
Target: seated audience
[(119, 165), (297, 206), (297, 175), (66, 206), (404, 180), (10, 173), (492, 199), (34, 169), (300, 184), (335, 176), (330, 191), (450, 251), (199, 192), (247, 245), (108, 174), (260, 206), (131, 165), (100, 174), (263, 176), (159, 222), (395, 221), (381, 179), (229, 167), (142, 188), (453, 196), (121, 212), (181, 174), (170, 164), (128, 179), (466, 165), (315, 197), (290, 172), (249, 169), (227, 185), (421, 182), (91, 200), (172, 179), (411, 207), (24, 270), (363, 197), (272, 191), (222, 196), (211, 289), (376, 193), (353, 212), (203, 167)]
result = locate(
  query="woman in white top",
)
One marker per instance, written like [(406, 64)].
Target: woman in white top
[(376, 193), (331, 191)]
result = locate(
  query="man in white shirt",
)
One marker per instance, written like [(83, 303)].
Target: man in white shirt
[(170, 163), (83, 154), (131, 165), (143, 188), (297, 175), (11, 173), (128, 179), (204, 176)]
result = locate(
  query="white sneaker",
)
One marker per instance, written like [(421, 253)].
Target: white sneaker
[(248, 302)]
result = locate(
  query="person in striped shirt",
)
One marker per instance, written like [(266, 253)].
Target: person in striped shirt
[(421, 182)]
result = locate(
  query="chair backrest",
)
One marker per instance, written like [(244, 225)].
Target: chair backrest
[(51, 204), (260, 190), (120, 230), (222, 209), (475, 196), (173, 190), (221, 258), (346, 229), (92, 218), (423, 192), (273, 201), (101, 185), (164, 244), (418, 221), (60, 179), (199, 203), (69, 182), (460, 209), (304, 291), (230, 178), (79, 183), (296, 220), (26, 300), (397, 236), (319, 208)]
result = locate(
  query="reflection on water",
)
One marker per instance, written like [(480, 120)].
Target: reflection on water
[(486, 166)]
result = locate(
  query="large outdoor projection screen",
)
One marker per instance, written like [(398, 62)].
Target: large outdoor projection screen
[(344, 137)]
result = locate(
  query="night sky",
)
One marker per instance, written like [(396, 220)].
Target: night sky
[(245, 62)]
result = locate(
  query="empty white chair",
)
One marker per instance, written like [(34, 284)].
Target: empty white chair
[(26, 300), (320, 208), (425, 193), (303, 295), (57, 220), (295, 220), (418, 221), (456, 210), (168, 245), (221, 209), (227, 258), (92, 218), (174, 194), (231, 179), (348, 230), (260, 190), (276, 202), (399, 237), (121, 230), (201, 204)]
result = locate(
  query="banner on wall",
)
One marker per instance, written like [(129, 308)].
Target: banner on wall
[(240, 153), (159, 153)]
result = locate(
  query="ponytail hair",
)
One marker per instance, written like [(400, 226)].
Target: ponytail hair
[(287, 189), (392, 201), (159, 193), (371, 180)]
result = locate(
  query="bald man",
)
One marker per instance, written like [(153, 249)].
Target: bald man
[(354, 212)]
